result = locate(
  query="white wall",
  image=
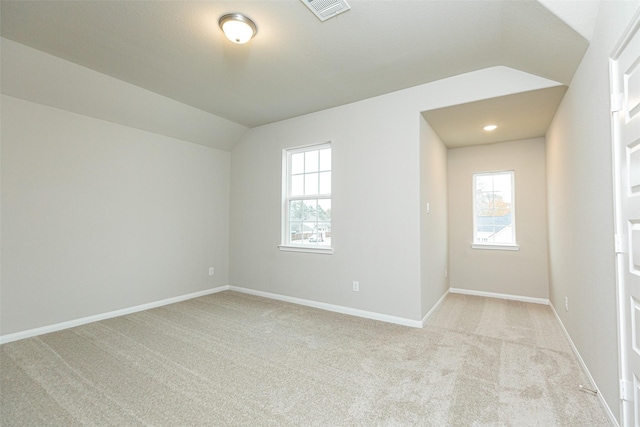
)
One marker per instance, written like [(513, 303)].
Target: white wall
[(374, 212), (376, 197), (581, 224), (96, 215), (521, 273), (434, 240)]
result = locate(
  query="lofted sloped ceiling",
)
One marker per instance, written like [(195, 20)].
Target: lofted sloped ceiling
[(296, 64)]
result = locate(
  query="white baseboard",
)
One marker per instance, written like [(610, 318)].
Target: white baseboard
[(309, 303), (433, 309), (89, 319), (331, 307), (592, 384), (500, 296)]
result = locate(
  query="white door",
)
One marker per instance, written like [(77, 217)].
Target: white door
[(625, 86)]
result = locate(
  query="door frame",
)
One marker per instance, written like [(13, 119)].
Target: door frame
[(622, 306)]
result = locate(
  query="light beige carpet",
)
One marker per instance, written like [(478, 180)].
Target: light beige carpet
[(231, 359)]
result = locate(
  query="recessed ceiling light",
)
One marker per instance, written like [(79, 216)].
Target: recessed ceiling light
[(490, 127), (237, 27)]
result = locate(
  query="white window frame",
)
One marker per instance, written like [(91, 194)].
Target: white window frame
[(286, 244), (512, 246)]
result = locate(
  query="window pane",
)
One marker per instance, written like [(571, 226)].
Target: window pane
[(502, 197), (484, 182), (502, 186), (325, 183), (311, 161), (324, 234), (295, 230), (325, 159), (493, 208), (310, 184), (308, 228), (297, 163), (324, 210), (297, 185), (295, 210), (310, 211), (484, 194)]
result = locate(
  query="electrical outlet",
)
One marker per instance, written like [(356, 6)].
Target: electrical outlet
[(356, 286), (566, 303), (446, 273), (210, 271)]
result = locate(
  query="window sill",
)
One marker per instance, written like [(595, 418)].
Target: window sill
[(315, 250), (495, 247)]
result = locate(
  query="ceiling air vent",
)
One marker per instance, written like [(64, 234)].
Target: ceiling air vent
[(325, 9)]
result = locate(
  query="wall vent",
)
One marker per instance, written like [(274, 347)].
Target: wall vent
[(325, 9)]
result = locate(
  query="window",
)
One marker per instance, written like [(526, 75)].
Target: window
[(307, 199), (494, 225)]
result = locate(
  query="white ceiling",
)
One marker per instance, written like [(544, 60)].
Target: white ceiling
[(519, 116), (297, 64)]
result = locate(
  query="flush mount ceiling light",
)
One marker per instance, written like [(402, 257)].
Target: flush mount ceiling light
[(237, 27), (489, 128)]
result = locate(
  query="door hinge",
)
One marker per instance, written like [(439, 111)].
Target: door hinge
[(626, 390), (616, 102), (619, 244)]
